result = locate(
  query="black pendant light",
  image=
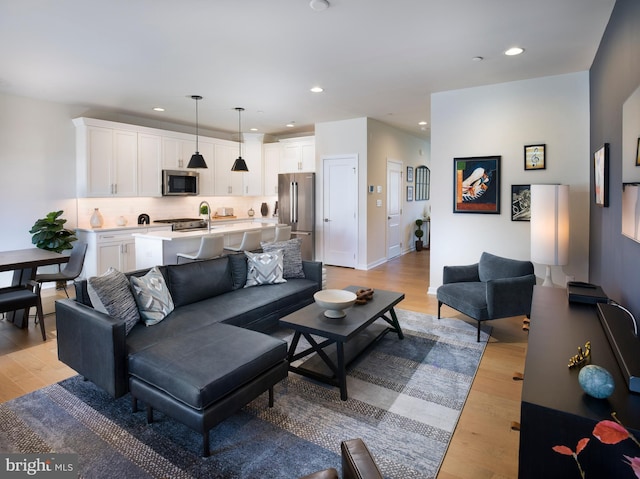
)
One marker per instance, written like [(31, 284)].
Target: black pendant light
[(197, 160), (239, 164)]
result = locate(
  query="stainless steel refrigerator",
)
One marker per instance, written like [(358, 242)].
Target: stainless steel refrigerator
[(297, 207)]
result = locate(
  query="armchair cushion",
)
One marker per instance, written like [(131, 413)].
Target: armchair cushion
[(495, 267)]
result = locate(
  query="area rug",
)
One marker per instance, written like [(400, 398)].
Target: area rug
[(405, 398)]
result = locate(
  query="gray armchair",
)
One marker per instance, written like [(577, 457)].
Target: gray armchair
[(493, 288)]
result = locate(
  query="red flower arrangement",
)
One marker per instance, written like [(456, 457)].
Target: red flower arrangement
[(607, 432)]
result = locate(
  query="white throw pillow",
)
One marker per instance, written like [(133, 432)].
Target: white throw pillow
[(264, 268), (152, 296)]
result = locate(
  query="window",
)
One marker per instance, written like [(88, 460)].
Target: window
[(422, 183)]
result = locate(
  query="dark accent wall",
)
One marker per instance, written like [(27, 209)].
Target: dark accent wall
[(614, 260)]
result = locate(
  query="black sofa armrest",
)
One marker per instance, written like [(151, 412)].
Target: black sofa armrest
[(510, 296), (92, 343), (313, 271), (460, 274)]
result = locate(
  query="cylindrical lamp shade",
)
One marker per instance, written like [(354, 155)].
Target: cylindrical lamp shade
[(550, 224)]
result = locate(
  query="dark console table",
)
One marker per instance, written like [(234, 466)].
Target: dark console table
[(555, 411)]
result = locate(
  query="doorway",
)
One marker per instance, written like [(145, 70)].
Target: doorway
[(340, 211)]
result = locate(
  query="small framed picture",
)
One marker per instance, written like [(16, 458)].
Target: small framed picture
[(520, 202), (409, 174), (638, 153), (534, 157), (409, 193), (601, 175)]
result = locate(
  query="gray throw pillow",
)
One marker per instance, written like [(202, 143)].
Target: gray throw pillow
[(110, 293), (292, 261), (264, 268), (152, 296)]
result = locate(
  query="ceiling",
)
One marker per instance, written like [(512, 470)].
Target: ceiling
[(374, 58)]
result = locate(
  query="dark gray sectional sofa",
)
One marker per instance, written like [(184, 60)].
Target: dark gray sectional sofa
[(205, 293)]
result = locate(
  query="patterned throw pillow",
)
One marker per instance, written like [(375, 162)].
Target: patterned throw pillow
[(110, 293), (152, 295), (264, 268), (292, 262)]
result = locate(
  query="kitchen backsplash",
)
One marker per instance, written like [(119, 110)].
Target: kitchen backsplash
[(166, 207)]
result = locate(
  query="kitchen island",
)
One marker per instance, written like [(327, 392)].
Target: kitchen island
[(161, 247)]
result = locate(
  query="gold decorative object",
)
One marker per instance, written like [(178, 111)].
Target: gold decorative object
[(582, 357)]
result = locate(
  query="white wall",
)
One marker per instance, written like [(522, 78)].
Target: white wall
[(499, 120), (374, 142)]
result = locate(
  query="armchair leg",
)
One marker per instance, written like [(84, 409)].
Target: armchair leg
[(479, 324), (439, 304)]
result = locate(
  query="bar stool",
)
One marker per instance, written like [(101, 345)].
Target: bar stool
[(250, 242), (211, 246), (283, 233)]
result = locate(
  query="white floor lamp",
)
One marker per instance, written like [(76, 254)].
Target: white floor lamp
[(550, 227)]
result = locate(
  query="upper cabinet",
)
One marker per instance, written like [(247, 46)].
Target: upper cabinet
[(252, 154), (271, 167), (298, 154), (227, 182)]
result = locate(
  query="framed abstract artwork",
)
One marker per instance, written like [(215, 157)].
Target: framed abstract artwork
[(534, 157), (476, 183), (409, 174), (601, 175), (520, 202)]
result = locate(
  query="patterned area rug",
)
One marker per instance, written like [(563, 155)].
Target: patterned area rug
[(405, 398)]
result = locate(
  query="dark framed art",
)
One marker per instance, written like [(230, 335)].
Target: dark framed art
[(638, 153), (422, 183), (476, 183), (601, 175), (520, 202), (534, 157), (409, 174), (409, 193)]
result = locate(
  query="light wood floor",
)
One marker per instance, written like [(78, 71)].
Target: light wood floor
[(483, 444)]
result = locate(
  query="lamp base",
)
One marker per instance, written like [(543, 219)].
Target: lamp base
[(547, 279)]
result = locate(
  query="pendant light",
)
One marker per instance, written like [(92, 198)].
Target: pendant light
[(197, 160), (239, 164)]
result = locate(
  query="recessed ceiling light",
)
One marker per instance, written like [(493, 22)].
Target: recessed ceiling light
[(422, 123), (514, 51), (317, 89), (291, 124), (477, 59), (319, 5), (253, 129), (158, 108)]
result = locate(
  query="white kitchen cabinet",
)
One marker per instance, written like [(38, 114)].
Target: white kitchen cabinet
[(112, 248), (106, 161), (227, 182), (149, 165), (252, 154), (298, 154), (207, 150), (176, 152), (271, 167)]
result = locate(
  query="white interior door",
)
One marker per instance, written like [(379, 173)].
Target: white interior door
[(394, 208), (340, 211)]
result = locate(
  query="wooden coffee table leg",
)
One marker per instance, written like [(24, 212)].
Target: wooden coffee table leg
[(341, 373), (396, 324)]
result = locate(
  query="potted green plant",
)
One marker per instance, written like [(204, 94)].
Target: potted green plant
[(419, 234), (49, 233)]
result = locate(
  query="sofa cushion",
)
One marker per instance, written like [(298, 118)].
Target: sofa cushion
[(238, 264), (469, 298), (264, 268), (292, 260), (198, 280), (199, 369), (152, 296), (110, 293), (496, 267)]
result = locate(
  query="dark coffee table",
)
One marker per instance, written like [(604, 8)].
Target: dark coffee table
[(345, 338)]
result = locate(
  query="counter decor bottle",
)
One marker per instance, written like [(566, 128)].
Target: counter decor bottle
[(264, 209), (96, 220)]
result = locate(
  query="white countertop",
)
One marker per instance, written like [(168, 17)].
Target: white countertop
[(129, 228), (215, 228)]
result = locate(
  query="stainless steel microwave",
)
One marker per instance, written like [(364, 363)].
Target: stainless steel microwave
[(180, 183)]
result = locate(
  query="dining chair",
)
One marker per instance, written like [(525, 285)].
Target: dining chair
[(250, 242), (71, 271), (15, 298), (283, 233), (211, 246)]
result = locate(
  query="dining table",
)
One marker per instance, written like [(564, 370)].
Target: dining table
[(25, 263)]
